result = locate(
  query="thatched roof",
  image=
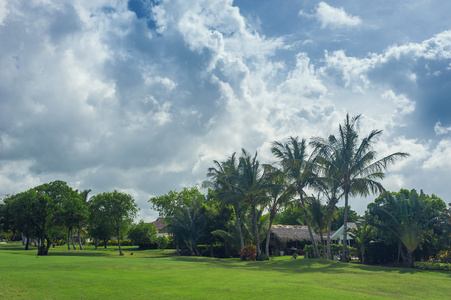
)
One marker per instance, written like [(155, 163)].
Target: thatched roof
[(285, 233)]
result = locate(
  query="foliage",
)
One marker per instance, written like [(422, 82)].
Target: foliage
[(352, 164), (408, 216), (118, 210), (168, 203), (249, 252), (143, 234)]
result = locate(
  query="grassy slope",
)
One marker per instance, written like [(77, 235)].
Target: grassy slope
[(149, 274)]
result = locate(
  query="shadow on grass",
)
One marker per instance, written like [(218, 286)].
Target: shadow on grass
[(303, 266)]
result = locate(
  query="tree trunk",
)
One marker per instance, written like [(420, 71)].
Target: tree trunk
[(268, 235), (119, 242), (345, 231), (79, 240), (68, 238), (256, 239), (72, 239), (27, 242), (329, 224), (410, 261), (96, 243), (104, 243), (238, 224), (177, 249)]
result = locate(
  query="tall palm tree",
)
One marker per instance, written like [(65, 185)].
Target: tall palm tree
[(298, 165), (250, 184), (224, 179), (353, 165), (279, 194)]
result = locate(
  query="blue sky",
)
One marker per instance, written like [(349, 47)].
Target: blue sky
[(141, 96)]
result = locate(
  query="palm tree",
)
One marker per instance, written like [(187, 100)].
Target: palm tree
[(362, 235), (279, 194), (224, 179), (317, 215), (250, 184), (295, 162), (353, 166), (329, 189), (408, 218)]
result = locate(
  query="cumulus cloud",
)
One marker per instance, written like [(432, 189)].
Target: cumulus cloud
[(335, 17), (105, 98)]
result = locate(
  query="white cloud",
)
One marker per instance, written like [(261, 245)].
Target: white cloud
[(440, 157), (439, 129), (335, 17)]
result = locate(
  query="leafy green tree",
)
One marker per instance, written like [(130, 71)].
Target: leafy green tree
[(168, 204), (143, 234), (74, 212), (118, 209), (294, 160), (98, 226), (353, 165), (338, 221), (292, 214)]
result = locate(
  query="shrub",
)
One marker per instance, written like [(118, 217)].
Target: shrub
[(248, 252), (263, 257)]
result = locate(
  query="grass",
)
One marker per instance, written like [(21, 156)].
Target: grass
[(93, 274)]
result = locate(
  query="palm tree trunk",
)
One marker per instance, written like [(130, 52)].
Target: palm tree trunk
[(238, 224), (268, 235), (345, 230), (329, 224), (256, 239)]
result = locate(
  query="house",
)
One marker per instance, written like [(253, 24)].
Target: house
[(290, 238), (161, 226), (337, 237)]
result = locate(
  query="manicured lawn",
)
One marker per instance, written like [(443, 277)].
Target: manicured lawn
[(153, 274)]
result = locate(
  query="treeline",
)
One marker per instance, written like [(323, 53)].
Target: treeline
[(54, 211), (311, 181)]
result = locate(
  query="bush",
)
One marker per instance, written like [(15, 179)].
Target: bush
[(248, 252), (263, 257), (309, 249)]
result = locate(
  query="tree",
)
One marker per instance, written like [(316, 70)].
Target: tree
[(250, 184), (98, 226), (118, 209), (317, 214), (279, 193), (84, 215), (143, 234), (74, 212), (224, 177), (187, 223), (408, 215), (168, 204), (298, 165), (362, 235), (353, 165)]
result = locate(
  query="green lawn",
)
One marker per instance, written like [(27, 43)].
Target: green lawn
[(102, 274)]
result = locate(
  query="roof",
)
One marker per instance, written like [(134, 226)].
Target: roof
[(159, 223), (286, 233), (339, 233)]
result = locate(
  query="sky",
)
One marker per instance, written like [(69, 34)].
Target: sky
[(142, 96)]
